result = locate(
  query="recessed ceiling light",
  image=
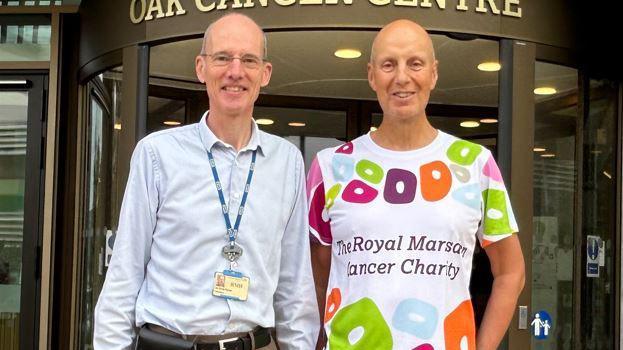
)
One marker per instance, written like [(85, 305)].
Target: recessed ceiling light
[(171, 122), (470, 124), (117, 126), (539, 149), (373, 128), (296, 124), (488, 120), (548, 155), (264, 121), (545, 90), (347, 53), (489, 66)]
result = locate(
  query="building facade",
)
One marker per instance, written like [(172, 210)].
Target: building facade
[(82, 82)]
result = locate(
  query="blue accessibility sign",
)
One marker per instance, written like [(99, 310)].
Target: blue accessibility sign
[(541, 325)]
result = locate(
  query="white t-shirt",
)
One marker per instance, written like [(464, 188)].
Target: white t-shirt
[(402, 227)]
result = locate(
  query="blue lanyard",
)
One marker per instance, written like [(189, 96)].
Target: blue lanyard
[(232, 232)]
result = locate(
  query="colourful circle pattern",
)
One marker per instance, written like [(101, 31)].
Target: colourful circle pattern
[(410, 310), (459, 325), (333, 304), (370, 171), (436, 180), (358, 192), (409, 186), (365, 314)]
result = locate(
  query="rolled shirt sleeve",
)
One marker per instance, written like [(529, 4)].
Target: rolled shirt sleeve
[(296, 312), (115, 311)]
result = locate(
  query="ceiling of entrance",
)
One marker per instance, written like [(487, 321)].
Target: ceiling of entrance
[(304, 64)]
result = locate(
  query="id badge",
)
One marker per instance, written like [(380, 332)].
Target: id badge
[(231, 284)]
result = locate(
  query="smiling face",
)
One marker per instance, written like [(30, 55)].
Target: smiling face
[(233, 88), (402, 70)]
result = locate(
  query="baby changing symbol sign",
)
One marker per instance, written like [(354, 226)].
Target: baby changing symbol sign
[(541, 325)]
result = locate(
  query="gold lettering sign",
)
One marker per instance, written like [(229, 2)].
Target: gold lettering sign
[(148, 10)]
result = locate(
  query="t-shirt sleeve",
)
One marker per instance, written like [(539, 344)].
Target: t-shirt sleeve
[(319, 223), (498, 221)]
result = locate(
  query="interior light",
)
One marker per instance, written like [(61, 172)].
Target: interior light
[(347, 53), (488, 120), (470, 124), (548, 155), (539, 149), (545, 90), (171, 122), (489, 66), (607, 175), (296, 124), (264, 121), (117, 126), (373, 128)]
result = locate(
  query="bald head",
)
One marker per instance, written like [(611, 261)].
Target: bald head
[(401, 30), (233, 19)]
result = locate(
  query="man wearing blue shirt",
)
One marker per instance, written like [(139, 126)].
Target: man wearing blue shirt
[(211, 246)]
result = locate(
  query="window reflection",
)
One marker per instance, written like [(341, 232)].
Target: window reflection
[(25, 42), (309, 130), (599, 213), (102, 193), (165, 113), (13, 117), (556, 119)]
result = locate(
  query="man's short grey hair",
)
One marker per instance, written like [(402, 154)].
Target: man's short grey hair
[(209, 29)]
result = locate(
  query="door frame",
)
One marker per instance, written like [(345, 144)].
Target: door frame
[(36, 83)]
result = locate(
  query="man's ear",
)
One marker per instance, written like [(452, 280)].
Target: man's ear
[(199, 67), (266, 74), (435, 75), (371, 81)]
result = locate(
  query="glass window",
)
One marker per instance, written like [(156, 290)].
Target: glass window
[(101, 203), (556, 120), (165, 113), (310, 130), (13, 117), (24, 38), (599, 215), (38, 2)]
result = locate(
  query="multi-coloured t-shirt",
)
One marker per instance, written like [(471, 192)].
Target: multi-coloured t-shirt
[(403, 227)]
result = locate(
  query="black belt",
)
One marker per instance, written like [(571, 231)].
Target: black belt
[(261, 336)]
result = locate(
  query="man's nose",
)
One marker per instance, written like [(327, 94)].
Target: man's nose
[(235, 69), (402, 75)]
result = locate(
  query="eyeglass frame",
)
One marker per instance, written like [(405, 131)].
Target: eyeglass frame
[(232, 58)]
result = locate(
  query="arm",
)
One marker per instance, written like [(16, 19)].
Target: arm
[(296, 315), (114, 318), (321, 264), (507, 266), (321, 238)]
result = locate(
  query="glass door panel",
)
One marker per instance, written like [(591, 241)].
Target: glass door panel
[(21, 116), (599, 229), (13, 118), (556, 120)]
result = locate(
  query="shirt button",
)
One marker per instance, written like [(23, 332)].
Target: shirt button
[(236, 195)]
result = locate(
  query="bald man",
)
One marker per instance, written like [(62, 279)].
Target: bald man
[(395, 215), (212, 249)]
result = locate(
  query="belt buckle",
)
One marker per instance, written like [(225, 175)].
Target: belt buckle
[(221, 343)]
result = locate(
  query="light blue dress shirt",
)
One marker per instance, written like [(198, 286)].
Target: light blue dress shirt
[(171, 232)]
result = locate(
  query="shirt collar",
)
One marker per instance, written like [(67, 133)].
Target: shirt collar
[(209, 139)]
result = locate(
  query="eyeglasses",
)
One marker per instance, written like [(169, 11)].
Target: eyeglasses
[(222, 59)]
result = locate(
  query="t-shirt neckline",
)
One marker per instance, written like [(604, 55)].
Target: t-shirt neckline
[(431, 147)]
